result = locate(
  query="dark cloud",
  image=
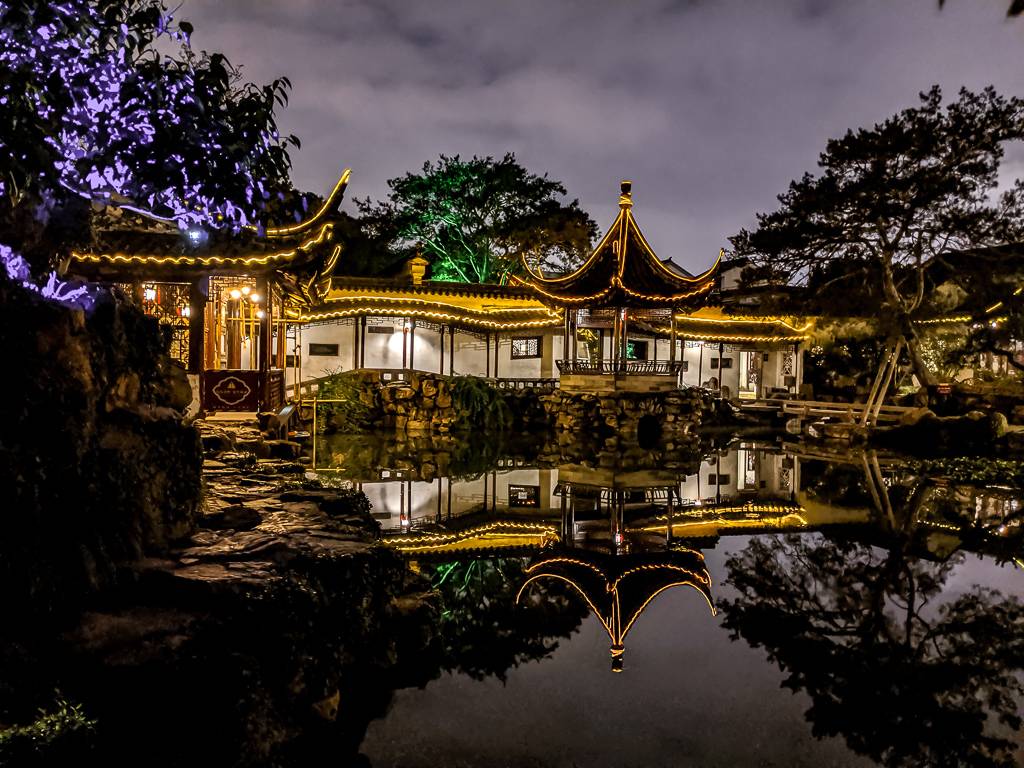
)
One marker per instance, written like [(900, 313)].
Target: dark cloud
[(710, 107)]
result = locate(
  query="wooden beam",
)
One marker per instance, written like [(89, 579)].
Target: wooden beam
[(197, 293)]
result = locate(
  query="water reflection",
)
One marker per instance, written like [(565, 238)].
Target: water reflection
[(906, 674), (846, 569)]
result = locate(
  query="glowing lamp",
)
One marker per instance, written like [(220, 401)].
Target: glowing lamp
[(260, 314), (186, 311), (235, 294), (196, 236), (149, 294), (255, 298), (245, 290)]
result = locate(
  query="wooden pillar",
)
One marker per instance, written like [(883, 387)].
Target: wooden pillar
[(355, 343), (412, 343), (211, 345), (672, 339), (497, 352), (363, 341), (669, 512), (721, 349), (451, 352), (234, 334), (487, 356), (615, 340), (566, 533), (565, 336), (282, 342), (573, 328), (437, 518), (625, 338), (264, 286), (197, 292), (440, 362)]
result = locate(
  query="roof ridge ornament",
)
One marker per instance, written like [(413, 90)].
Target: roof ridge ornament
[(626, 194)]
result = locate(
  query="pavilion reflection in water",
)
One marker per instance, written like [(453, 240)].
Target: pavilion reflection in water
[(606, 533), (620, 538), (742, 483)]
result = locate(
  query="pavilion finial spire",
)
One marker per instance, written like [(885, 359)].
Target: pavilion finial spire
[(626, 196)]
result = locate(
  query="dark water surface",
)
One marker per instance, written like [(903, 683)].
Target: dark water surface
[(866, 609)]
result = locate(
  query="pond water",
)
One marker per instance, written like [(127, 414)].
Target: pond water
[(761, 604)]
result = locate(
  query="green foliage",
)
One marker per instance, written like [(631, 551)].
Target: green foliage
[(889, 199), (484, 632), (979, 471), (942, 350), (54, 738), (479, 405), (353, 412), (474, 219)]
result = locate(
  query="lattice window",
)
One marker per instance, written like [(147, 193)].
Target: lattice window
[(526, 347), (788, 363), (785, 478), (179, 343)]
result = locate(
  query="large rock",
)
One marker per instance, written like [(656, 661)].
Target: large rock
[(96, 465)]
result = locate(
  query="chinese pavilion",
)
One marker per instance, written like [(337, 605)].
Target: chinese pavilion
[(622, 280), (224, 297)]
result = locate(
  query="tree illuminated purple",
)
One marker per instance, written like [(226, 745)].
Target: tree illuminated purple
[(91, 109)]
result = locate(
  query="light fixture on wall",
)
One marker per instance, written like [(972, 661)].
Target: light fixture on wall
[(149, 293), (235, 294), (186, 311), (254, 298)]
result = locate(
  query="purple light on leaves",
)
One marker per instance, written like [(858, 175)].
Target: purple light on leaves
[(69, 294)]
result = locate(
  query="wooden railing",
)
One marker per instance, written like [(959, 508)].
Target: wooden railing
[(846, 411), (628, 367)]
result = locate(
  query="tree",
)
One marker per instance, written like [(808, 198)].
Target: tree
[(105, 102), (890, 199), (906, 678), (1016, 7), (484, 632), (474, 219)]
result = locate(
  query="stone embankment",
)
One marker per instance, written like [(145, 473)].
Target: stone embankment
[(627, 418), (424, 403), (249, 641)]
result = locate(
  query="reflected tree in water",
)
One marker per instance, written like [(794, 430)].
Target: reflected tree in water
[(905, 676), (484, 632)]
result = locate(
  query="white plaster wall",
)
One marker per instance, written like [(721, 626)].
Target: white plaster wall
[(385, 351), (315, 366), (688, 488), (389, 499), (526, 368)]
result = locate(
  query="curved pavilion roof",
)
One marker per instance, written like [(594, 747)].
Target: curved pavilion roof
[(481, 308), (713, 324), (623, 271), (129, 244), (619, 587)]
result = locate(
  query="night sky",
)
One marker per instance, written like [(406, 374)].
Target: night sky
[(710, 107)]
